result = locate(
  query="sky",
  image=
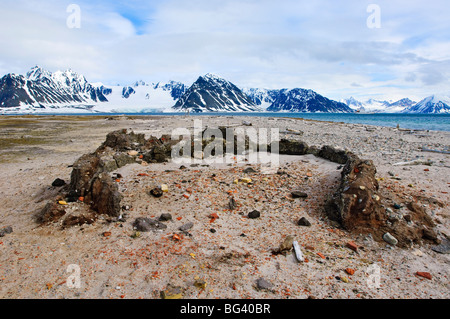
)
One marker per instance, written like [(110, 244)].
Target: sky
[(365, 49)]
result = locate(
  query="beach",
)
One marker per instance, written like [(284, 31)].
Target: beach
[(221, 253)]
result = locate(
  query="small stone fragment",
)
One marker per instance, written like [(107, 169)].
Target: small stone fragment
[(165, 217), (156, 192), (254, 214), (287, 244), (303, 222), (350, 271), (58, 182), (391, 240), (263, 284), (426, 275), (186, 226), (298, 194), (352, 246)]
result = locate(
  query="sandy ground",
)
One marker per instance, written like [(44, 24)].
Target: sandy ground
[(231, 252)]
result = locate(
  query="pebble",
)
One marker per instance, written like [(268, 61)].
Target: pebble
[(287, 244), (165, 217), (303, 222), (426, 275), (298, 194), (254, 214), (263, 284), (58, 182), (186, 226), (391, 240), (156, 192), (5, 231)]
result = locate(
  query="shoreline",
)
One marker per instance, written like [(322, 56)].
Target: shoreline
[(249, 114)]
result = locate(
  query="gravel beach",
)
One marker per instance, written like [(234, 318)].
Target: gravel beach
[(205, 248)]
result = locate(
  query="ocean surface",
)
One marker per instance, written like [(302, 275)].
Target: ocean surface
[(435, 122)]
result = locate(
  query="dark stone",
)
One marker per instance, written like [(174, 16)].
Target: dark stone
[(5, 231), (165, 217), (298, 194), (430, 235), (443, 248), (303, 222), (144, 224), (156, 192), (292, 147), (58, 182), (397, 206), (334, 155), (186, 226), (254, 214), (249, 170), (232, 203), (212, 230)]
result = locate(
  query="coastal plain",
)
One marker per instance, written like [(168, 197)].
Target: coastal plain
[(224, 253)]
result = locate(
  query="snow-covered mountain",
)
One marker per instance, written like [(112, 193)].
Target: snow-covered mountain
[(141, 97), (294, 100), (378, 106), (41, 88), (43, 91), (431, 104), (302, 100), (211, 93)]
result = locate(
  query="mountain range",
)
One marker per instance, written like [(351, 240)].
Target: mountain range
[(42, 91)]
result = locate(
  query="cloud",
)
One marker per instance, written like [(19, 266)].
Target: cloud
[(322, 45)]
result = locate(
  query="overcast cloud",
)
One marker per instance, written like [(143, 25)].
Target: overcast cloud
[(322, 45)]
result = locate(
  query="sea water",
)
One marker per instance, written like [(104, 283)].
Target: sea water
[(435, 122)]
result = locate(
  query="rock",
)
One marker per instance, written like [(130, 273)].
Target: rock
[(352, 246), (171, 292), (144, 224), (391, 240), (122, 141), (200, 284), (426, 275), (165, 217), (350, 271), (78, 220), (287, 244), (353, 206), (5, 231), (397, 206), (263, 284), (186, 226), (105, 196), (443, 248), (254, 214), (292, 147), (156, 192), (334, 155), (58, 182), (123, 159), (164, 188), (50, 213), (298, 194), (249, 170), (232, 203), (303, 222), (430, 235)]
